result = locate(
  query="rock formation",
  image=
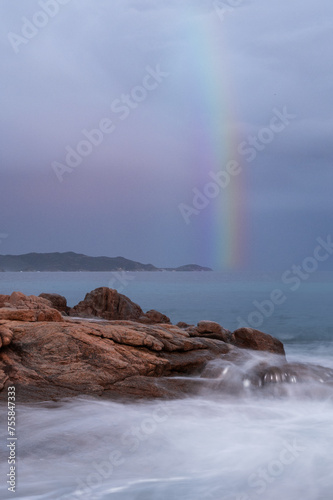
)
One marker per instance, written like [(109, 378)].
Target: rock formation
[(248, 338), (128, 353), (107, 303), (58, 302), (19, 307)]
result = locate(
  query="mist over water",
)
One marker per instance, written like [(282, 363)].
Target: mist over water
[(204, 447), (236, 439)]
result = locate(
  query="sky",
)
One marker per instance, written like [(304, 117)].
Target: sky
[(116, 114)]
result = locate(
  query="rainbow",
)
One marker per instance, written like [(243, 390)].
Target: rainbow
[(222, 241)]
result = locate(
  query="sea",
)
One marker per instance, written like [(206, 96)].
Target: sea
[(258, 444)]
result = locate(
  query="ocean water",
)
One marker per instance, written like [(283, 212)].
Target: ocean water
[(217, 445)]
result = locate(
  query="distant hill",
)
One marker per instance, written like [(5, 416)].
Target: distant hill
[(71, 261), (188, 267)]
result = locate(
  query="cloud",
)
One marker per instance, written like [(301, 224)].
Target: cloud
[(262, 55)]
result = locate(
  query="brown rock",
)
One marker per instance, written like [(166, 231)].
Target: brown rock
[(213, 330), (57, 301), (47, 314), (46, 360), (4, 299), (20, 307), (108, 304), (248, 338), (18, 300), (6, 336), (183, 325), (46, 356), (209, 327), (17, 314), (154, 317)]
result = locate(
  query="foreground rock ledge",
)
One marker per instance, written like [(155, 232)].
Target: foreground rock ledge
[(48, 355)]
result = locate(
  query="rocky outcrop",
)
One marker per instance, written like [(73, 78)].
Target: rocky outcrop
[(46, 360), (208, 329), (127, 353), (107, 303), (58, 302), (20, 307), (153, 317), (248, 338)]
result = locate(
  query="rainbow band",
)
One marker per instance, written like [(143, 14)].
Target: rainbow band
[(224, 242)]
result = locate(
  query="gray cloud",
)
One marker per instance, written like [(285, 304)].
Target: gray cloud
[(123, 198)]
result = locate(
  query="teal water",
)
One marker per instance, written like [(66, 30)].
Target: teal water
[(306, 315)]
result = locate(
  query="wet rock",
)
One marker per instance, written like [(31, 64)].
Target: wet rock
[(212, 330), (123, 352), (248, 338), (79, 357)]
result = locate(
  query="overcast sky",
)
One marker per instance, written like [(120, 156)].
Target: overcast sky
[(70, 71)]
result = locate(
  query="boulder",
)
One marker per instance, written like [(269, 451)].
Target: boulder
[(249, 338), (108, 304), (212, 330), (154, 317), (18, 300), (57, 301), (207, 329), (183, 325), (52, 360)]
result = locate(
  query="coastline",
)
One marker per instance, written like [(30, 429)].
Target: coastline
[(115, 350)]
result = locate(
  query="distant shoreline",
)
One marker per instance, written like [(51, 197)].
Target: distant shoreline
[(108, 271), (73, 262)]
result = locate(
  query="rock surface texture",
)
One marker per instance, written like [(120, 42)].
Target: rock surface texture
[(58, 302), (127, 354), (248, 338)]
